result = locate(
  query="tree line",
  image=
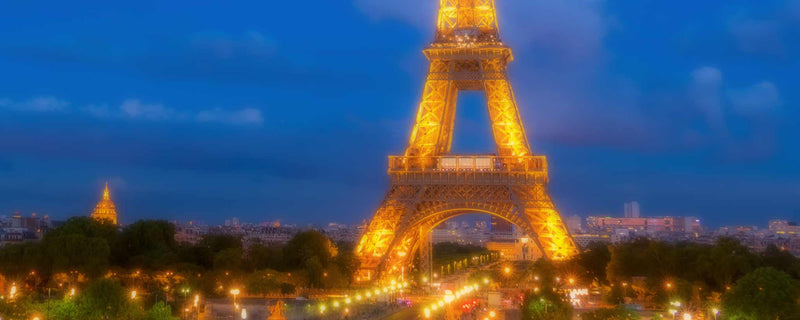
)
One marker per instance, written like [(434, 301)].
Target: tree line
[(145, 256), (726, 275)]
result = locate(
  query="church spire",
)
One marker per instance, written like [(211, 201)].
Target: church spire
[(106, 193)]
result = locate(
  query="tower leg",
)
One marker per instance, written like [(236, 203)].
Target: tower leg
[(425, 254)]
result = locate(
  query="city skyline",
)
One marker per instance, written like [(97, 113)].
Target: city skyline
[(197, 118)]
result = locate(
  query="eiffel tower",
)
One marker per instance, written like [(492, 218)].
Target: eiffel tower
[(430, 185)]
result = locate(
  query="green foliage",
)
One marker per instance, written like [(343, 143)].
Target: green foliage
[(147, 245), (88, 255), (218, 242), (446, 252), (781, 260), (160, 311), (228, 259), (261, 257), (347, 262), (103, 299), (593, 261), (763, 294), (263, 283), (546, 305), (309, 245), (715, 266), (66, 309), (616, 313)]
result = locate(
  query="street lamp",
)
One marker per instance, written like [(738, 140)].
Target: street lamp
[(234, 292), (133, 294), (715, 311), (673, 312), (687, 316)]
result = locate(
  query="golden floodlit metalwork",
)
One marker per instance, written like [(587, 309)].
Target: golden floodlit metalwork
[(429, 185), (105, 209)]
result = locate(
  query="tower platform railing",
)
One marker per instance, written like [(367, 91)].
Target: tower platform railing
[(468, 163)]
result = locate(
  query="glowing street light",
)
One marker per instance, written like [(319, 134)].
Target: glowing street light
[(244, 313), (133, 294), (234, 293), (715, 311), (687, 316)]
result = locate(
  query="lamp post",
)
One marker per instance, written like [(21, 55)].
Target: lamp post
[(715, 311), (235, 292)]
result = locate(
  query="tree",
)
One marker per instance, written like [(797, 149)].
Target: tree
[(545, 305), (88, 255), (103, 299), (160, 311), (262, 283), (261, 257), (308, 245), (780, 259), (764, 294), (731, 260), (616, 313), (228, 259), (147, 244), (347, 262), (594, 260), (66, 309)]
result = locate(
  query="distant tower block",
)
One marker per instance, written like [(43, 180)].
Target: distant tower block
[(632, 209), (105, 210), (430, 185)]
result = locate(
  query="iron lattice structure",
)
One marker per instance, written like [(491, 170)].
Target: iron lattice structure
[(429, 185)]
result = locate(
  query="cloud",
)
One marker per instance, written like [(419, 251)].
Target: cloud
[(756, 99), (36, 104), (567, 29), (136, 110), (705, 91), (243, 116)]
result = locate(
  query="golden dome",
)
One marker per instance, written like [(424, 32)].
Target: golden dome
[(105, 209)]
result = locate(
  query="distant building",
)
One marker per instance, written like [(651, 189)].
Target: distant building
[(519, 249), (105, 209), (574, 224), (500, 225), (20, 229), (784, 227), (632, 209), (650, 224), (189, 234), (584, 240)]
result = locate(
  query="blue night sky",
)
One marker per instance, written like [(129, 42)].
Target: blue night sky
[(268, 110)]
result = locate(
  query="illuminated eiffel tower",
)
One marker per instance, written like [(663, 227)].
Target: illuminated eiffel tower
[(429, 185)]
